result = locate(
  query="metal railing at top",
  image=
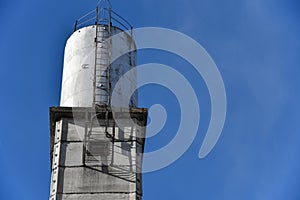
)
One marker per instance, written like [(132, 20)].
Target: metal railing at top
[(105, 16)]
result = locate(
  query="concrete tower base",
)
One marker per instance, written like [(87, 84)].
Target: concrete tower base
[(94, 156)]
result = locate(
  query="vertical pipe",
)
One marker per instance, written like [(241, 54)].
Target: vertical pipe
[(109, 54), (113, 143), (95, 68), (85, 138), (108, 70)]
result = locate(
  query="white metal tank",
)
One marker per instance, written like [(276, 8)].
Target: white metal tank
[(83, 54)]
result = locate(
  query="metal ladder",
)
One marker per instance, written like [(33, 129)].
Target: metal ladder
[(101, 97), (102, 84)]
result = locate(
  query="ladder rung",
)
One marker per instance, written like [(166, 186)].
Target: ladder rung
[(102, 88), (101, 41), (102, 82), (102, 68), (103, 32), (101, 63), (100, 94)]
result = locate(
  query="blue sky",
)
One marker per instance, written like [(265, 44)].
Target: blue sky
[(254, 43)]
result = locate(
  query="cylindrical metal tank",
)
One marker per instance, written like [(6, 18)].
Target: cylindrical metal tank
[(81, 59)]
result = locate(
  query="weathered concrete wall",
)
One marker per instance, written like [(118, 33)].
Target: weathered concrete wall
[(95, 168), (91, 180)]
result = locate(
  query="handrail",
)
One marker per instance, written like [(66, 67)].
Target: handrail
[(86, 21), (103, 18), (92, 11), (120, 23), (122, 18)]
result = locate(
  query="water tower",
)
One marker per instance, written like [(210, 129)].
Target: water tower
[(96, 149)]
